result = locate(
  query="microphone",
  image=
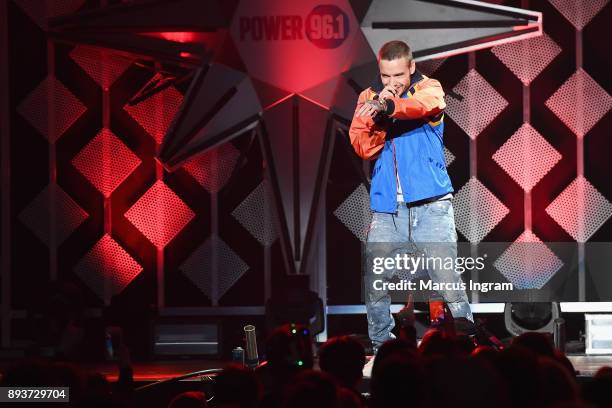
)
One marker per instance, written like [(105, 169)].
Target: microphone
[(251, 358), (377, 96), (388, 105)]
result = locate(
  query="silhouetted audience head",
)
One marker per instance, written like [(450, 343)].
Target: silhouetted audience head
[(398, 379), (97, 384), (34, 373), (438, 342), (189, 399), (557, 385), (464, 344), (99, 401), (538, 343), (343, 358), (391, 347), (40, 373), (604, 372), (290, 347), (520, 370), (565, 362), (288, 352), (598, 392), (445, 370), (463, 382), (485, 354), (236, 386), (349, 398), (311, 389)]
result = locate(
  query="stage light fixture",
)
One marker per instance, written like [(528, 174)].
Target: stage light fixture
[(531, 317)]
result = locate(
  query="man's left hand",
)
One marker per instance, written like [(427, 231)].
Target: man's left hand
[(371, 108)]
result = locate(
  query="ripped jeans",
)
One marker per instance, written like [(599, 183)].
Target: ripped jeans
[(430, 229)]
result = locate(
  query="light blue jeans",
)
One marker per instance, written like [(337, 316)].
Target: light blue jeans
[(427, 228)]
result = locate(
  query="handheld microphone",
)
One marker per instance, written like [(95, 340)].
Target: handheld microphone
[(389, 108)]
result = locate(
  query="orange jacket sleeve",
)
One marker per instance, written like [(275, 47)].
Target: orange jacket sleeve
[(427, 100), (367, 138)]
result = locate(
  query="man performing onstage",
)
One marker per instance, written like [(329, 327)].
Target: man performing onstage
[(400, 124)]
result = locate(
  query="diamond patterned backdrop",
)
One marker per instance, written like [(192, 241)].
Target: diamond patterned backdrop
[(481, 104), (526, 157), (528, 58), (199, 265), (431, 66), (512, 156), (477, 210), (66, 108), (579, 12), (156, 113), (355, 212), (257, 215), (597, 209), (104, 67), (53, 212), (107, 261), (159, 214), (106, 162), (528, 263), (41, 10), (214, 168), (119, 160), (580, 103)]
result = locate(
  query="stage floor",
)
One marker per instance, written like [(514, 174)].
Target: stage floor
[(161, 370), (147, 372), (588, 365)]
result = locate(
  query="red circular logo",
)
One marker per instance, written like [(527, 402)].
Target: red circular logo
[(327, 26)]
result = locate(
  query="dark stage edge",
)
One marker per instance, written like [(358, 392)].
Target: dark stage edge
[(147, 372), (585, 366)]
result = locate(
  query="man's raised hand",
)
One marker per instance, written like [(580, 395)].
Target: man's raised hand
[(387, 92)]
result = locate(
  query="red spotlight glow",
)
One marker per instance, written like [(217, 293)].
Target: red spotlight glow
[(175, 36)]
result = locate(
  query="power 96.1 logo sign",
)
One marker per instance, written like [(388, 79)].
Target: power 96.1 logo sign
[(327, 26), (295, 45)]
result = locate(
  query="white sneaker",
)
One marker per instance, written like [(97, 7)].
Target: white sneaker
[(367, 368)]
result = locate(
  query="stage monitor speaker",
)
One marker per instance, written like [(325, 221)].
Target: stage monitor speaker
[(598, 328), (186, 339)]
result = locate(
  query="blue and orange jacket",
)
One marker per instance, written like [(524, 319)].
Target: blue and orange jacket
[(409, 141)]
